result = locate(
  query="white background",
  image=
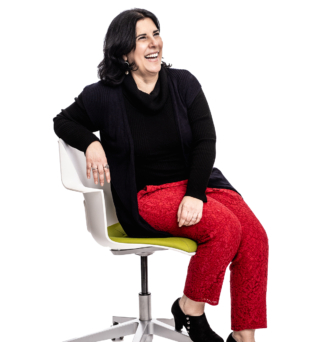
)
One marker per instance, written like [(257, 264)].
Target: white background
[(261, 66)]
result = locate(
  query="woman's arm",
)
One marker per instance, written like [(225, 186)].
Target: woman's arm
[(74, 126), (204, 147)]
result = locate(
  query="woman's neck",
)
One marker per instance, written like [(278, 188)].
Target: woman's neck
[(147, 83), (150, 101)]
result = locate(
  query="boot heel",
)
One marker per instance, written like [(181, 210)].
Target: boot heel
[(177, 313), (178, 324)]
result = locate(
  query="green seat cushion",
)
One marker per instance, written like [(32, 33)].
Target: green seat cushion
[(116, 233)]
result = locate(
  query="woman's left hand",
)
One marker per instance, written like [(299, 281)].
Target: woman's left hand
[(189, 211)]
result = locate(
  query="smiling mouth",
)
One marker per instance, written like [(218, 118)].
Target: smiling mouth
[(152, 57)]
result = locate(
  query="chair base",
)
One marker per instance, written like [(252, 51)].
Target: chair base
[(143, 328), (143, 331)]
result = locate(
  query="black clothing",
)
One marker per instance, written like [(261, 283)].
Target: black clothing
[(157, 146), (171, 136)]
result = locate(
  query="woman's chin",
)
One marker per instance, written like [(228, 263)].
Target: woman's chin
[(153, 69)]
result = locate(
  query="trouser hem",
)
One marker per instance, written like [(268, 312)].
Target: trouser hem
[(205, 300), (252, 326)]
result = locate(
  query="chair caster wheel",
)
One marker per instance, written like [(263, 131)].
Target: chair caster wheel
[(117, 339)]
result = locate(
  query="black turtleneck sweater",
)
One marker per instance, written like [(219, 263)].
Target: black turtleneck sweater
[(157, 147)]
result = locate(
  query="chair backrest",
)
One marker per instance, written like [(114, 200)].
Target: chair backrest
[(76, 174), (98, 201)]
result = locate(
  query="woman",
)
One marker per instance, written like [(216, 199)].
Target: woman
[(158, 142)]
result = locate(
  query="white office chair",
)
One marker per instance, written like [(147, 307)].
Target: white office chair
[(102, 223)]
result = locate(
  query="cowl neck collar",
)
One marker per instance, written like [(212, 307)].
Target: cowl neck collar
[(143, 101)]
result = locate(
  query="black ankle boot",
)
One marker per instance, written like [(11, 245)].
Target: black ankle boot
[(197, 327), (230, 338)]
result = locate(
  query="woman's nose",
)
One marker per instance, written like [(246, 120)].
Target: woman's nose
[(153, 41)]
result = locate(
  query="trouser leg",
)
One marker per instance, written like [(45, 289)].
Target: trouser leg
[(218, 235), (249, 268)]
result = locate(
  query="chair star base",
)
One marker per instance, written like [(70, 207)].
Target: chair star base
[(143, 328), (143, 331)]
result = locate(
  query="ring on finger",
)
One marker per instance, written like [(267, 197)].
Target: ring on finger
[(188, 222), (194, 218)]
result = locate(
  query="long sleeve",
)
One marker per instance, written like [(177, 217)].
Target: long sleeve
[(204, 147), (74, 126)]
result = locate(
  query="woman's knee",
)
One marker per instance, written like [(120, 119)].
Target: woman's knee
[(259, 233), (256, 240), (264, 239), (221, 224)]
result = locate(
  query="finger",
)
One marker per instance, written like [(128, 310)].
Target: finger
[(183, 217), (189, 220), (198, 218), (101, 174), (107, 174), (179, 212), (88, 171), (194, 219), (95, 173)]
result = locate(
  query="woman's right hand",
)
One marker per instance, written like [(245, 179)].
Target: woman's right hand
[(96, 158)]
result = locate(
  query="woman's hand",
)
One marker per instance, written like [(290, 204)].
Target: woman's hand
[(189, 211), (96, 158)]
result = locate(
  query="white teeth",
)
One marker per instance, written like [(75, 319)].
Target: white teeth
[(153, 55)]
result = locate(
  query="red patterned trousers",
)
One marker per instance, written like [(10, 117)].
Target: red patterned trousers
[(228, 233)]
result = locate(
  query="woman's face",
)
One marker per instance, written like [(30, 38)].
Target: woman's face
[(148, 41)]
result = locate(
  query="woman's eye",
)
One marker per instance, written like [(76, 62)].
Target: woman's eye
[(146, 37)]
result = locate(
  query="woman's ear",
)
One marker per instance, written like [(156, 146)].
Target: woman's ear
[(124, 57)]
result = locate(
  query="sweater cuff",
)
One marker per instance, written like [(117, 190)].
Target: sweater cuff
[(200, 196)]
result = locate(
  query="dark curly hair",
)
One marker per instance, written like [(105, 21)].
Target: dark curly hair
[(119, 41)]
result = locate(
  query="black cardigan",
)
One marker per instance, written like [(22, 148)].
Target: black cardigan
[(157, 147), (198, 158)]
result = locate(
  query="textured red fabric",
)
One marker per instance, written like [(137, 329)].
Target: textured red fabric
[(228, 233)]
